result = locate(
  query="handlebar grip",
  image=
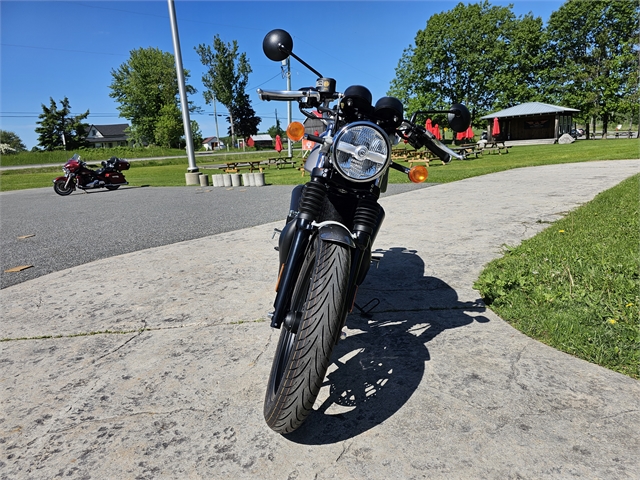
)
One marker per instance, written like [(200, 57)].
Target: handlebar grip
[(314, 138), (443, 152)]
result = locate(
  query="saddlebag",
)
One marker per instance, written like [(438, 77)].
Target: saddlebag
[(114, 178)]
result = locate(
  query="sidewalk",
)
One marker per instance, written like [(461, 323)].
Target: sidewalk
[(434, 386)]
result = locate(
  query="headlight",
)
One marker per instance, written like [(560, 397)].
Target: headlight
[(361, 151)]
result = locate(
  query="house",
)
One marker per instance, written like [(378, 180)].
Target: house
[(108, 136), (212, 143), (260, 141), (534, 120)]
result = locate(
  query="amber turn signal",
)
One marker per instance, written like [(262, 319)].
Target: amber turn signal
[(295, 131), (418, 174)]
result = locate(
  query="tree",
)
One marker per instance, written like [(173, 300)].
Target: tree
[(146, 86), (518, 79), (245, 122), (226, 80), (58, 129), (196, 135), (467, 55), (276, 129), (168, 129), (593, 57), (13, 141)]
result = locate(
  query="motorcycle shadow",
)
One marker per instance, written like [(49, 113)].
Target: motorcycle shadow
[(381, 363), (93, 191)]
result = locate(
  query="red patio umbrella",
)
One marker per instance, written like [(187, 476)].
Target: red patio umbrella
[(496, 127), (278, 144), (428, 126), (469, 133), (460, 135), (436, 132)]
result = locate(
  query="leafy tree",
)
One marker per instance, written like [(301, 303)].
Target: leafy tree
[(169, 127), (518, 79), (276, 129), (226, 80), (58, 129), (593, 57), (146, 86), (467, 55), (12, 140)]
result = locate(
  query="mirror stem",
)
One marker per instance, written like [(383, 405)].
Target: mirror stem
[(304, 63)]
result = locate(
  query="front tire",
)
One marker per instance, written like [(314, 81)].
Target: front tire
[(302, 358), (60, 189)]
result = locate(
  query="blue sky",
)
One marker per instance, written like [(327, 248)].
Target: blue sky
[(69, 48)]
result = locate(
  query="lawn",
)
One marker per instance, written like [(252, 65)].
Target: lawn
[(171, 172), (575, 286)]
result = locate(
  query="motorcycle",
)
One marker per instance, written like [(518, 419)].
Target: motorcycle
[(325, 246), (78, 174)]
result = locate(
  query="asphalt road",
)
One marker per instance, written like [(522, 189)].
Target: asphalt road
[(52, 233)]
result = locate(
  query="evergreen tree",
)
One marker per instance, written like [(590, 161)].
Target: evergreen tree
[(59, 130)]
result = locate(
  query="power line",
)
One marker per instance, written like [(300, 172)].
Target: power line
[(62, 49)]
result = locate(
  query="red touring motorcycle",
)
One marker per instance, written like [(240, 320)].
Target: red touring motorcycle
[(77, 174)]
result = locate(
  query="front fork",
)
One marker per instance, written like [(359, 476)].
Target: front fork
[(295, 237), (70, 180)]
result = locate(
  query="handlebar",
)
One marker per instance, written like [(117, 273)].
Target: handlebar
[(418, 137), (288, 95)]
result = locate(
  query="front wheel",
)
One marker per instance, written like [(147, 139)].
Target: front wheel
[(61, 187), (302, 358)]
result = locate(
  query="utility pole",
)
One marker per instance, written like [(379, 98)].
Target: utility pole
[(193, 168), (215, 116)]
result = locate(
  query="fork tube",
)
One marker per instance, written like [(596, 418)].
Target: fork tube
[(291, 271)]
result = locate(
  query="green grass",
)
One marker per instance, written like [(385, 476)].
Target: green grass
[(87, 154), (171, 172), (575, 286)]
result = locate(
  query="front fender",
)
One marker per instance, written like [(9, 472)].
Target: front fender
[(59, 178), (335, 232)]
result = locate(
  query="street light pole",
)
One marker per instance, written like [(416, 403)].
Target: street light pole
[(193, 168), (286, 63)]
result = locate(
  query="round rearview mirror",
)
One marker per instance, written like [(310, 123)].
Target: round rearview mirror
[(459, 117), (277, 45)]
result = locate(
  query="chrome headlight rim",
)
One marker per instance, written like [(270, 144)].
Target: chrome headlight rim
[(362, 152)]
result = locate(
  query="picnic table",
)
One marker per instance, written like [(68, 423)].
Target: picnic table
[(468, 149), (413, 156), (494, 146), (620, 134), (233, 167), (281, 161)]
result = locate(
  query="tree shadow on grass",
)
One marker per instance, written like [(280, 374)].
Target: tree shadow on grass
[(381, 363)]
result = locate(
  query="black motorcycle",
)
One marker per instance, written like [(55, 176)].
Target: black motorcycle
[(325, 245)]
